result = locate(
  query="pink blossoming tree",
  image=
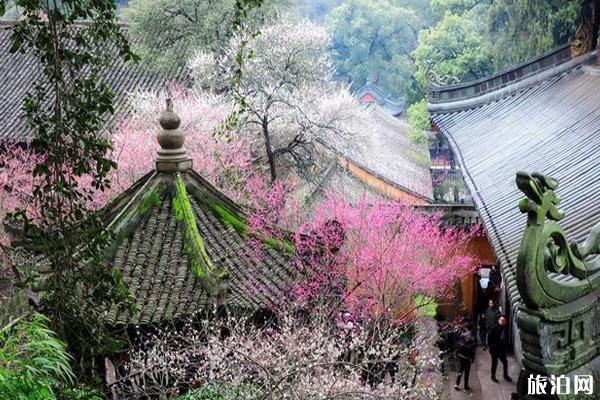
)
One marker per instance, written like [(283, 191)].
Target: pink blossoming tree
[(216, 153), (372, 259)]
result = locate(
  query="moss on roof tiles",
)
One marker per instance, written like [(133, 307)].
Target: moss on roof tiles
[(194, 244), (236, 222), (152, 199), (168, 228), (241, 226)]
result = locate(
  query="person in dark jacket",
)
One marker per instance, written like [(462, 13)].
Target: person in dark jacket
[(482, 296), (491, 315), (466, 355), (497, 343), (482, 331), (495, 283)]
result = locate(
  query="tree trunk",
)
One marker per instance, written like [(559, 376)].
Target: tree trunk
[(270, 155)]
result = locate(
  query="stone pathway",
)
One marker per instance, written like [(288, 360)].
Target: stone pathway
[(482, 387)]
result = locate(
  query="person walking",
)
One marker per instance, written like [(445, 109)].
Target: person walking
[(466, 355), (495, 282), (497, 343), (491, 315), (482, 326)]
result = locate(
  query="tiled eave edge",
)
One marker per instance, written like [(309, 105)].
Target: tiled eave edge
[(491, 230), (343, 158), (458, 214), (475, 100)]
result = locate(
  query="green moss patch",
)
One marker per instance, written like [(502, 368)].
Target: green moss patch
[(151, 200), (238, 223), (425, 306), (418, 157), (241, 225), (194, 243)]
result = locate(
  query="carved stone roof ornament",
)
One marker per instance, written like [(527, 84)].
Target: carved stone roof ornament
[(172, 156), (559, 283), (586, 35), (582, 42), (435, 80), (550, 270)]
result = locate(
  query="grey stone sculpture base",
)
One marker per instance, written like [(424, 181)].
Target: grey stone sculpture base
[(173, 166)]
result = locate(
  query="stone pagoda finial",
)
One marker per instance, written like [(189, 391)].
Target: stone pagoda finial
[(172, 156)]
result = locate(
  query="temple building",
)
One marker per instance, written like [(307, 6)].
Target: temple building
[(385, 163), (539, 116), (371, 93)]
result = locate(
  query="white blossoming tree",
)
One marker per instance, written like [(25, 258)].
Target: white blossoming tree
[(233, 358), (288, 99)]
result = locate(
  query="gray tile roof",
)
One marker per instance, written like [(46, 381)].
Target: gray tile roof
[(549, 123), (150, 252), (337, 180), (387, 153), (18, 72)]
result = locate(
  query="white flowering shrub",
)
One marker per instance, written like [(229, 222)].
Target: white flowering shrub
[(233, 358)]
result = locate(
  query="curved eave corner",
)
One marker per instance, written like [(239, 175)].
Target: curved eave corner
[(496, 87)]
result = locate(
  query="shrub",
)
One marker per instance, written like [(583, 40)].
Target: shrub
[(418, 117), (33, 362)]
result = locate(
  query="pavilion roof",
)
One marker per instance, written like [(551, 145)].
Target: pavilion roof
[(542, 115), (151, 250), (181, 245)]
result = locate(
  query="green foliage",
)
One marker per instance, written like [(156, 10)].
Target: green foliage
[(15, 306), (425, 306), (420, 124), (206, 393), (66, 109), (194, 243), (420, 157), (373, 40), (457, 7), (477, 38), (186, 26), (220, 392), (454, 47), (33, 362), (240, 225), (78, 392), (151, 200), (484, 37), (316, 10), (517, 30)]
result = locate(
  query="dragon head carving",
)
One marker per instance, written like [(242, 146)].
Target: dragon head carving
[(541, 200)]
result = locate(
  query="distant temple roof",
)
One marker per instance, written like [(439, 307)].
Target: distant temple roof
[(181, 244), (18, 73), (387, 153), (371, 93), (542, 115)]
